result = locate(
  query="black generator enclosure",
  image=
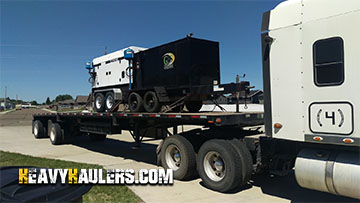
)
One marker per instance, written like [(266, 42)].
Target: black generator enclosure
[(189, 65)]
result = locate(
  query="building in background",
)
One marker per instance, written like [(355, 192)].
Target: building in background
[(9, 105), (81, 100), (67, 104)]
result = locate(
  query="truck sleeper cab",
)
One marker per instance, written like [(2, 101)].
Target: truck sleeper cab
[(311, 65)]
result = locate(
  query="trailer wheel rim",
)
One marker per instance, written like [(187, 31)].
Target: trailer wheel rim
[(36, 129), (109, 102), (133, 102), (214, 166), (98, 102), (52, 134), (150, 101), (173, 157)]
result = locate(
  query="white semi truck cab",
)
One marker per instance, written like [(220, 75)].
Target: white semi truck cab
[(311, 88)]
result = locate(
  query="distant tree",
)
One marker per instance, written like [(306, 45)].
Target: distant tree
[(63, 97), (48, 101), (33, 103)]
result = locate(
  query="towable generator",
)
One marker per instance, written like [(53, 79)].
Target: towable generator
[(186, 71)]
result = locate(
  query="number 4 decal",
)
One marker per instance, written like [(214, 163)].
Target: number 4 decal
[(318, 117), (342, 118), (331, 118)]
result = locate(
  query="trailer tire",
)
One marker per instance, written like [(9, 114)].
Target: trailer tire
[(110, 101), (56, 134), (178, 154), (99, 102), (246, 159), (97, 137), (219, 165), (151, 102), (135, 102), (39, 130), (193, 106)]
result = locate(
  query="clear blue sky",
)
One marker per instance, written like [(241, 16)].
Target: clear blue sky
[(44, 45)]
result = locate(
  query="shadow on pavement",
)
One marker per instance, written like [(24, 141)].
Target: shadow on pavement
[(286, 187), (146, 153), (234, 191)]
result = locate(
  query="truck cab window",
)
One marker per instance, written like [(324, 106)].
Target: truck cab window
[(328, 56)]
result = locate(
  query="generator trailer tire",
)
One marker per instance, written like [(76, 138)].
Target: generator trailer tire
[(135, 102), (151, 102), (99, 102), (193, 106), (109, 101)]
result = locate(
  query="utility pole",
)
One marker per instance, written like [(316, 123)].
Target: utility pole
[(5, 99), (237, 94)]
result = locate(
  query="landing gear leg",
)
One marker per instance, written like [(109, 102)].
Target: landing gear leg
[(136, 136)]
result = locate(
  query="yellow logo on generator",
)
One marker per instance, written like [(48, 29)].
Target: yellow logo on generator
[(168, 60)]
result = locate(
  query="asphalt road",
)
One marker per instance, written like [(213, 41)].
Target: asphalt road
[(116, 152), (19, 117)]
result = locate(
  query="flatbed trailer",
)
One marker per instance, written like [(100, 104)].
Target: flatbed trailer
[(207, 119), (141, 124), (177, 150)]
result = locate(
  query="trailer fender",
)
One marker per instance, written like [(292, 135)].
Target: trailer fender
[(118, 94)]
